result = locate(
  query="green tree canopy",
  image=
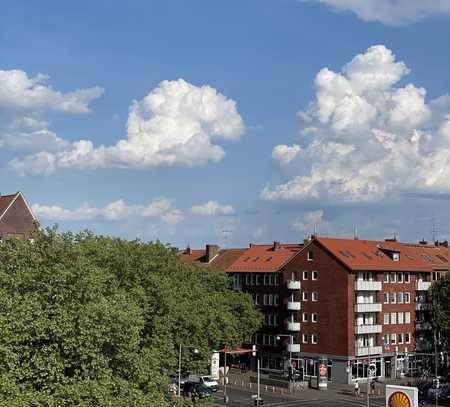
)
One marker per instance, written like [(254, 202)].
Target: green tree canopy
[(441, 300), (94, 321)]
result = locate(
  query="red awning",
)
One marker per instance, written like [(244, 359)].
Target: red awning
[(237, 351)]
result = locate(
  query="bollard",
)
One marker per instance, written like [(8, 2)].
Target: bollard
[(265, 388), (273, 389)]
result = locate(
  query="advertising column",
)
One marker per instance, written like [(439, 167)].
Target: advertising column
[(323, 373)]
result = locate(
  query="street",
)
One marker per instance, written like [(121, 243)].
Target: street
[(239, 397)]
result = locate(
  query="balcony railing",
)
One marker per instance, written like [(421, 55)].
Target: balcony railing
[(423, 326), (293, 285), (374, 307), (361, 285), (293, 347), (368, 329), (366, 351), (424, 306), (293, 305), (423, 285), (293, 326)]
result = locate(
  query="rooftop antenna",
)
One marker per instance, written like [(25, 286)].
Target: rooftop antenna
[(315, 230), (355, 232), (226, 235), (434, 231)]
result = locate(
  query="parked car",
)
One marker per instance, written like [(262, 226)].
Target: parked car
[(442, 392), (192, 389), (209, 382)]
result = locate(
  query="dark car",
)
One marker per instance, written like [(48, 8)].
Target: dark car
[(197, 390)]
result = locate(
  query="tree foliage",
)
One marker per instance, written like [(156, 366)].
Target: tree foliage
[(441, 300), (95, 321)]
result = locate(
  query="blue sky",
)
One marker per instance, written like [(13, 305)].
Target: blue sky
[(227, 148)]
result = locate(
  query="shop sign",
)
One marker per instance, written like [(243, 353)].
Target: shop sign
[(401, 396)]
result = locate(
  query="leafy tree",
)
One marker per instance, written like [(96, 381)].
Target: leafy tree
[(95, 321), (441, 300)]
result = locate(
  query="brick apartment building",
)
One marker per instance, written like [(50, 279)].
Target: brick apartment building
[(343, 300)]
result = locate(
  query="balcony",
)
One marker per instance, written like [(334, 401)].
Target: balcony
[(423, 326), (293, 326), (367, 329), (293, 285), (374, 307), (361, 285), (366, 351), (423, 285), (293, 347), (424, 306), (293, 305)]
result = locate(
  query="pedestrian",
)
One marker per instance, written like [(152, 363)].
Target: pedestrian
[(372, 386), (356, 389)]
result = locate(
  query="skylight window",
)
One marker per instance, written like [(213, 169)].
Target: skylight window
[(367, 255), (442, 258), (256, 258), (269, 258), (427, 257)]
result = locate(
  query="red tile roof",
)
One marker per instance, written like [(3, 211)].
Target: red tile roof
[(265, 258), (221, 262), (5, 201), (375, 255)]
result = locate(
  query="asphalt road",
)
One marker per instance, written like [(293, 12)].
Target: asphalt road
[(242, 398)]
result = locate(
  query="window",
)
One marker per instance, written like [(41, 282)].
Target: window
[(270, 279), (401, 338), (386, 277), (392, 298), (256, 299), (399, 298), (270, 299), (393, 317), (385, 339), (305, 275), (396, 256), (266, 319), (305, 295), (386, 319), (394, 339), (407, 298), (407, 338), (314, 317), (305, 317), (275, 299), (314, 339), (386, 298), (264, 339), (436, 276), (314, 275), (248, 279), (257, 279), (406, 278), (305, 338), (275, 279), (400, 277), (266, 279), (265, 299), (314, 296), (310, 256), (392, 277), (407, 317), (400, 317)]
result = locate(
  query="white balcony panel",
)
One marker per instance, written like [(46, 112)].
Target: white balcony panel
[(293, 347), (368, 329), (365, 351), (367, 285), (293, 305), (424, 306), (293, 326), (423, 285), (293, 285), (374, 307)]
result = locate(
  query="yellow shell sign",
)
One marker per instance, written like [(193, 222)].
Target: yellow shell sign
[(401, 396), (399, 399)]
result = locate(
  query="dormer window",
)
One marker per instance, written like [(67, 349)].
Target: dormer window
[(396, 256)]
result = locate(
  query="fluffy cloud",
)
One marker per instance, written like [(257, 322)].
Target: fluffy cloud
[(212, 208), (159, 209), (366, 138), (310, 220), (175, 124), (393, 12)]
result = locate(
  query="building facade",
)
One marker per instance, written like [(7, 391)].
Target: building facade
[(350, 302)]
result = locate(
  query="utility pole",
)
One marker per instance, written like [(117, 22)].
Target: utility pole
[(259, 389)]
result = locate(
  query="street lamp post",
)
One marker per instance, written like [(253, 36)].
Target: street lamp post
[(180, 346)]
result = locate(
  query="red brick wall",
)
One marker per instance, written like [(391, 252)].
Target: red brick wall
[(17, 220), (335, 326)]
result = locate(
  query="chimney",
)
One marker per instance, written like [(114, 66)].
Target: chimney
[(423, 241), (444, 243), (276, 246), (188, 250), (211, 251), (393, 239)]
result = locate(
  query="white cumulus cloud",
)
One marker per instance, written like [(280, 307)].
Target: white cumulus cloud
[(212, 208), (175, 124), (392, 12), (159, 209), (366, 138), (308, 221)]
